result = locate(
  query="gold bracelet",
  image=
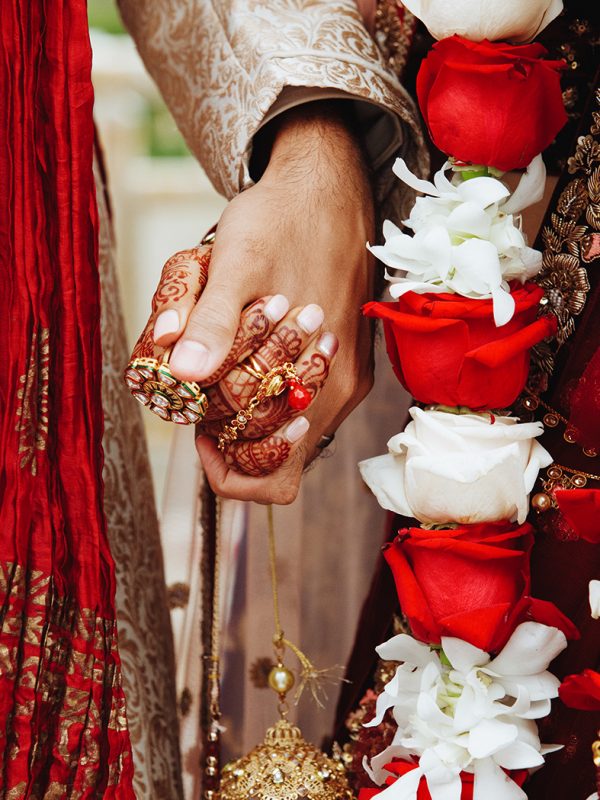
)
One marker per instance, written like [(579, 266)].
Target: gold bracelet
[(272, 384)]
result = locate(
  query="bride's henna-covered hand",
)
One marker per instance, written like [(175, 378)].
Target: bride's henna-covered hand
[(235, 389), (182, 280), (300, 231)]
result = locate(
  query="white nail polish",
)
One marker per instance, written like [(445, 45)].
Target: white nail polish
[(296, 429), (167, 322), (328, 344), (310, 318), (277, 307)]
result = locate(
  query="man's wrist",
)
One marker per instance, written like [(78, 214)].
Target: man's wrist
[(317, 137), (317, 149)]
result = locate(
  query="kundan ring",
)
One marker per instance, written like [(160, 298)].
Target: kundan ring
[(153, 384)]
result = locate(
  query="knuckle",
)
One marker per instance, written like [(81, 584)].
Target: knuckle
[(208, 321), (285, 494), (364, 386)]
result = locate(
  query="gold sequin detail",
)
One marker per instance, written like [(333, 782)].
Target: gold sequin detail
[(394, 29), (60, 663), (571, 240)]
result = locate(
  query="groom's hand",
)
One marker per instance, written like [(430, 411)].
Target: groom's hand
[(299, 232)]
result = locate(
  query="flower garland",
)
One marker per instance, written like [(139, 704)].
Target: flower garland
[(472, 679)]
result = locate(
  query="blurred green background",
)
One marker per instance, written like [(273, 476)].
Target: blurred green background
[(104, 16), (160, 132)]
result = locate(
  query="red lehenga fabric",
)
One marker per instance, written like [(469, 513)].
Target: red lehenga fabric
[(63, 730)]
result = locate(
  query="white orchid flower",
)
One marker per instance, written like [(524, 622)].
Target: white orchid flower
[(467, 712), (458, 467), (466, 238)]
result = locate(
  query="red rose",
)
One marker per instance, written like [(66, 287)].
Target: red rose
[(581, 691), (400, 768), (446, 348), (489, 102), (471, 582)]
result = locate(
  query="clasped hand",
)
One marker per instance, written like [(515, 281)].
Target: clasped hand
[(288, 275)]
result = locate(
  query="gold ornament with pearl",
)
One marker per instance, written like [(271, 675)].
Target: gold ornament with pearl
[(285, 767)]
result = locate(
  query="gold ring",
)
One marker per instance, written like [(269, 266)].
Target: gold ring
[(153, 384), (251, 370)]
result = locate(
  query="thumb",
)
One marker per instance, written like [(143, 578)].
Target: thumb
[(209, 333)]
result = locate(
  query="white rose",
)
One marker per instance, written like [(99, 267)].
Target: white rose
[(514, 20), (595, 599), (458, 468)]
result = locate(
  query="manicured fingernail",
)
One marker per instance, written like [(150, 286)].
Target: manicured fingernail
[(328, 344), (167, 322), (277, 308), (296, 429), (189, 357), (310, 318)]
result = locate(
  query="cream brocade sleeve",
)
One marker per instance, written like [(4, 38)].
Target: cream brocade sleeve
[(226, 66)]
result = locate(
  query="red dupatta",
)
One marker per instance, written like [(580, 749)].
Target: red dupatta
[(63, 730)]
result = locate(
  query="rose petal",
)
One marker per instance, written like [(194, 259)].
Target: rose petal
[(384, 475)]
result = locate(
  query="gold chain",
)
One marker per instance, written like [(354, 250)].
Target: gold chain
[(551, 419), (214, 676), (311, 677), (572, 471), (273, 569), (272, 384)]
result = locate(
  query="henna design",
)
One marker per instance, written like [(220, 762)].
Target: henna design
[(205, 428), (254, 329), (174, 283), (274, 412), (145, 346), (176, 277), (283, 345), (258, 458), (173, 286), (219, 405), (314, 371), (234, 390)]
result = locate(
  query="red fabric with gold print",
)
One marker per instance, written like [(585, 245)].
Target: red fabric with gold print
[(63, 731)]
